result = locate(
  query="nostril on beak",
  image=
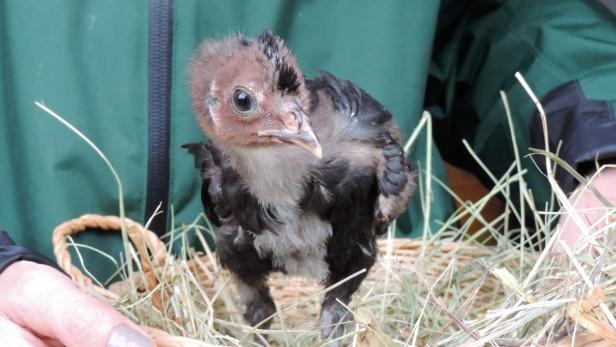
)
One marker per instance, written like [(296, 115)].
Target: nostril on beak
[(299, 119)]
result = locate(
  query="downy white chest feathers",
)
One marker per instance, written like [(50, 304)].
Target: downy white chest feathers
[(278, 180)]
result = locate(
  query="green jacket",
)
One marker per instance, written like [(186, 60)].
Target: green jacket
[(116, 70)]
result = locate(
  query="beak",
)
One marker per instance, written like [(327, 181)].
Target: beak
[(297, 131)]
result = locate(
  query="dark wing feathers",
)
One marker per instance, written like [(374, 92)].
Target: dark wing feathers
[(211, 174), (371, 122), (394, 175), (353, 190), (349, 98), (345, 95)]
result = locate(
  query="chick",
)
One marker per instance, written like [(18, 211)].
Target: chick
[(301, 176)]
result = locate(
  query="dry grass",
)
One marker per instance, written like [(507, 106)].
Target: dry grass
[(448, 290)]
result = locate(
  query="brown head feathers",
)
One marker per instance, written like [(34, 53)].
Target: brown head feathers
[(260, 70)]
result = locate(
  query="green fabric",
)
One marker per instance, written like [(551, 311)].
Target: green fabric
[(88, 61), (479, 47)]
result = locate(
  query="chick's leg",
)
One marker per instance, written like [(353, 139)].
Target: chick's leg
[(237, 253), (334, 315)]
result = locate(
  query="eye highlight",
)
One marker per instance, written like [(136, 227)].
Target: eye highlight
[(242, 101)]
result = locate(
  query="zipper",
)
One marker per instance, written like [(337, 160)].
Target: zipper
[(160, 37)]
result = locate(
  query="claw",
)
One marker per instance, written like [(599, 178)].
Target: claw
[(333, 318), (257, 311)]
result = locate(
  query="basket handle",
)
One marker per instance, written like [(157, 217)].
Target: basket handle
[(141, 238)]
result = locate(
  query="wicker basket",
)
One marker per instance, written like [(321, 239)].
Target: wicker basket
[(397, 255)]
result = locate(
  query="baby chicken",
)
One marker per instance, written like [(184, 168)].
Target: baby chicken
[(301, 176)]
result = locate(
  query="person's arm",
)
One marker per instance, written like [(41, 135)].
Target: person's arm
[(586, 131), (590, 208), (10, 253)]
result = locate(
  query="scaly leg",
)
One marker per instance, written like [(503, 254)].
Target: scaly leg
[(334, 315)]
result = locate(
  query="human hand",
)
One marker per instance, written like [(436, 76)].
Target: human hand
[(590, 208), (39, 306)]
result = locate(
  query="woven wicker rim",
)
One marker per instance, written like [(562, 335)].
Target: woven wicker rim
[(144, 241)]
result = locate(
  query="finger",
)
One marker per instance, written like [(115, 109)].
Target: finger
[(12, 334), (589, 210), (570, 232), (49, 304), (589, 207)]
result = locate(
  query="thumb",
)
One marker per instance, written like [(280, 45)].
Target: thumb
[(43, 300)]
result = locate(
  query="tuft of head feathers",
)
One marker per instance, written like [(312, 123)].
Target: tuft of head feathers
[(288, 80), (270, 44)]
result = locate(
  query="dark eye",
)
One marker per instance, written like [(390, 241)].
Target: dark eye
[(242, 101)]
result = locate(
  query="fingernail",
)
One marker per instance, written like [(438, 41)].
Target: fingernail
[(125, 336)]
